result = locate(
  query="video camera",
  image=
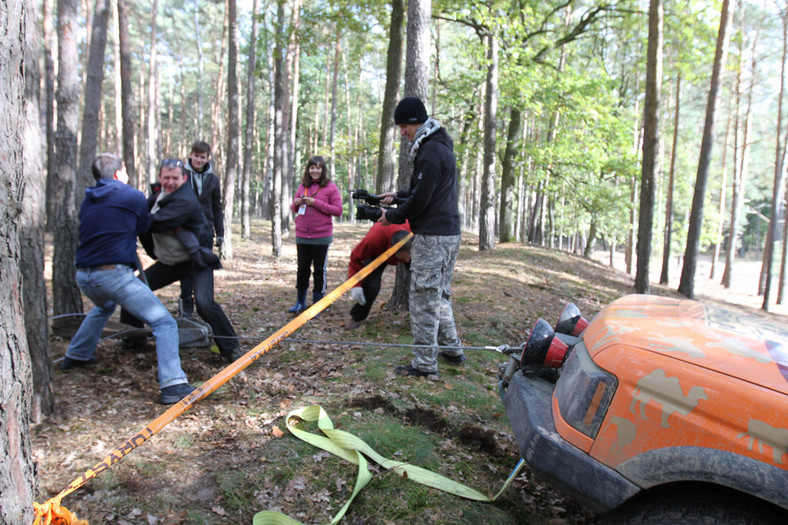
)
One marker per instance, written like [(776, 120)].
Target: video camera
[(372, 210)]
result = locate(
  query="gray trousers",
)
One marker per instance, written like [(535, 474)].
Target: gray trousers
[(431, 316)]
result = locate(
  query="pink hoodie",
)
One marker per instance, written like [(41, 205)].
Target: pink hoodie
[(317, 222)]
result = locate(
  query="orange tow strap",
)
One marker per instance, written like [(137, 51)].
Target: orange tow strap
[(51, 513)]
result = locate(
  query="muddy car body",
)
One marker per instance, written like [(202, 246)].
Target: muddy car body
[(661, 399)]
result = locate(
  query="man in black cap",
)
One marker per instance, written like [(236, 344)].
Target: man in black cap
[(430, 206)]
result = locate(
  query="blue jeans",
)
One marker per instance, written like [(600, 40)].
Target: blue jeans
[(108, 288)]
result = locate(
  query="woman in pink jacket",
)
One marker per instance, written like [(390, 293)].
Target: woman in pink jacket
[(316, 202)]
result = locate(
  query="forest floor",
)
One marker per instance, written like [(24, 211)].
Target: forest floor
[(230, 456)]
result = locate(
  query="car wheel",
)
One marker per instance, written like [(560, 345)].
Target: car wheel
[(696, 507)]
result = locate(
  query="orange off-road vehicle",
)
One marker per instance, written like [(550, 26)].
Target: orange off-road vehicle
[(659, 410)]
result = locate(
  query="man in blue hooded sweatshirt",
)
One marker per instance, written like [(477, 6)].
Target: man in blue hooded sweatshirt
[(111, 217)]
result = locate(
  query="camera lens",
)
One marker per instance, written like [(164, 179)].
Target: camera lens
[(368, 212)]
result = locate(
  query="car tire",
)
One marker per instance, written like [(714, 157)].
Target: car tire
[(702, 507)]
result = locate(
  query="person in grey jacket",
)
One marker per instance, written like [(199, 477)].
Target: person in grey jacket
[(206, 186)]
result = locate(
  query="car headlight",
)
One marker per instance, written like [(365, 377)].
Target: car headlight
[(584, 391)]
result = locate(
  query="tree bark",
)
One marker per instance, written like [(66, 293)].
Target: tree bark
[(737, 192), (216, 103), (294, 77), (151, 156), (49, 110), (417, 56), (667, 239), (92, 96), (508, 217), (648, 188), (17, 470), (332, 130), (687, 283), (118, 100), (66, 297), (722, 204), (233, 130), (741, 160), (31, 232), (278, 143), (248, 166), (386, 176), (779, 171), (487, 215)]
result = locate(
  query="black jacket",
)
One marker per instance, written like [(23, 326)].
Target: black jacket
[(211, 196), (179, 209), (431, 202)]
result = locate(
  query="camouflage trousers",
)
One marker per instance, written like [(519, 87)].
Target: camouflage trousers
[(431, 315)]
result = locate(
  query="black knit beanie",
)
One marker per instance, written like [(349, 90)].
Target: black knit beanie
[(410, 110)]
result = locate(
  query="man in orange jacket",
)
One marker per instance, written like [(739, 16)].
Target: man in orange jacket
[(378, 239)]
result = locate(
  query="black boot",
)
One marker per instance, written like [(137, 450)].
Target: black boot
[(186, 306), (300, 305), (316, 296)]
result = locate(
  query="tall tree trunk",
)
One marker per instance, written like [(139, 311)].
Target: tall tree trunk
[(66, 297), (31, 230), (782, 156), (592, 233), (233, 130), (17, 470), (151, 156), (288, 172), (168, 130), (295, 81), (127, 95), (333, 113), (278, 142), (49, 109), (487, 215), (92, 96), (648, 189), (737, 191), (508, 217), (216, 104), (386, 176), (687, 283), (723, 191), (116, 81), (142, 130), (417, 58), (248, 166), (779, 171), (664, 278), (637, 148), (742, 160)]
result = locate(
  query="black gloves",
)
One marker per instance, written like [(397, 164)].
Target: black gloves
[(204, 258)]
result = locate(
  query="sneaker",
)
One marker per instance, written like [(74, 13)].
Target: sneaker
[(410, 371), (234, 355), (134, 343), (453, 359), (173, 394), (352, 324), (67, 363)]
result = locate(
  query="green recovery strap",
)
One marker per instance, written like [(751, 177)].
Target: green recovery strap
[(352, 449)]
